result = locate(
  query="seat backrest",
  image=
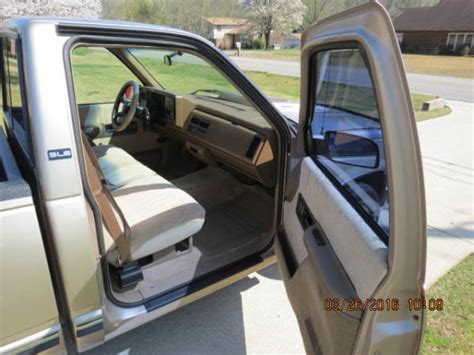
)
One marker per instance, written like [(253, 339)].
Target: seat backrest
[(110, 211)]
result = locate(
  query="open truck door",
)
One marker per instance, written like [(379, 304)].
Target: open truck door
[(353, 244)]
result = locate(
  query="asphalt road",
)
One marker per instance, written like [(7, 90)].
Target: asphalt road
[(443, 86)]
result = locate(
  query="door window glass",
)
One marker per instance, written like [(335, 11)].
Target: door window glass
[(15, 113), (347, 137), (98, 75), (13, 81), (2, 76)]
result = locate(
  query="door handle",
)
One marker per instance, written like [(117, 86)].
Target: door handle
[(318, 235), (303, 213), (307, 220)]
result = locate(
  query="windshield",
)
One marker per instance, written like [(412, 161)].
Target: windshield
[(187, 74)]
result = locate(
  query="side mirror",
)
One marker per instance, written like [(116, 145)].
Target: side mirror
[(167, 60), (350, 149)]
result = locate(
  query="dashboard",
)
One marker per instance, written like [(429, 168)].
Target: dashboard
[(160, 104), (215, 131)]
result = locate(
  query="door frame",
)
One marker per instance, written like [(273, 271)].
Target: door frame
[(202, 48)]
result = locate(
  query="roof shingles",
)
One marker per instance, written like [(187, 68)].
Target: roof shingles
[(448, 15)]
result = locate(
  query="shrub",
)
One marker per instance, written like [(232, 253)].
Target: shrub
[(465, 51), (247, 44), (259, 43), (411, 48), (443, 50)]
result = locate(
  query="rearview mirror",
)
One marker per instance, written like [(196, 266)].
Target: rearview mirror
[(167, 60), (350, 149)]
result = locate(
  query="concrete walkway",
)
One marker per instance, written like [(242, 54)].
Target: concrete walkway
[(443, 86), (447, 147), (254, 316)]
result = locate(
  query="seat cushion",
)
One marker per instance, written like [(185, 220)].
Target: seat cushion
[(119, 167), (159, 214)]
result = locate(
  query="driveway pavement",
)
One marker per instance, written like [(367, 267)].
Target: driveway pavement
[(447, 147), (446, 87), (254, 316), (250, 316), (442, 86)]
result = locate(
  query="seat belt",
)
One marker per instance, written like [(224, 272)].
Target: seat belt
[(107, 204)]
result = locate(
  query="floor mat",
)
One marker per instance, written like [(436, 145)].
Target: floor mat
[(236, 214), (170, 162), (234, 223), (211, 186)]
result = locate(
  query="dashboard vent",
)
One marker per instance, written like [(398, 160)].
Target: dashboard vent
[(198, 126), (253, 147)]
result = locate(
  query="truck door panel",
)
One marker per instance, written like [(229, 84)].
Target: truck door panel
[(353, 244)]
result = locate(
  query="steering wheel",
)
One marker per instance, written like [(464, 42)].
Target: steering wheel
[(125, 105)]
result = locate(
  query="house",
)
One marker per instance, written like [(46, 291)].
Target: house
[(225, 31), (443, 28)]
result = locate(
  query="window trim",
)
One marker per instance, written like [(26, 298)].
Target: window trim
[(456, 38), (308, 137), (233, 74)]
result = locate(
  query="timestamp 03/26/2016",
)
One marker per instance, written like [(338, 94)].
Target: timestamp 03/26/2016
[(381, 304)]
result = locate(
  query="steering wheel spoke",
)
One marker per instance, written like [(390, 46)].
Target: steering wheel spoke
[(127, 102)]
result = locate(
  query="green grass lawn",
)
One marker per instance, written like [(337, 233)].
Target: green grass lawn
[(282, 54), (461, 67), (287, 87), (98, 76), (451, 331), (418, 100)]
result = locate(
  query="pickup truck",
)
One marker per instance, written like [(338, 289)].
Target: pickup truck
[(141, 170)]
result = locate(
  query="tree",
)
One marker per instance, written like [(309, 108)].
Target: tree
[(184, 14), (72, 8), (147, 11), (319, 9), (112, 9), (280, 16), (394, 7)]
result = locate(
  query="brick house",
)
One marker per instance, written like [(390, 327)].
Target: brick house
[(443, 28)]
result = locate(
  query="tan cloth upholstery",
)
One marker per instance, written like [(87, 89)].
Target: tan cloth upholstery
[(118, 166), (158, 213)]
